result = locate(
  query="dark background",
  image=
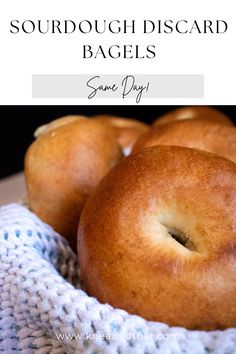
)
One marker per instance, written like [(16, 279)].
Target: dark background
[(18, 124)]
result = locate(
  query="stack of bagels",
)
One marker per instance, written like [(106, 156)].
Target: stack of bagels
[(151, 210)]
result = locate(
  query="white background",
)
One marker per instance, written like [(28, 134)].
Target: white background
[(23, 55)]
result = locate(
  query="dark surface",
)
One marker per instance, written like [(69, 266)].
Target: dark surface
[(19, 122)]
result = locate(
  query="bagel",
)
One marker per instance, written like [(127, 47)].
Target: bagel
[(194, 133), (158, 238), (199, 112), (63, 166), (59, 122), (127, 130)]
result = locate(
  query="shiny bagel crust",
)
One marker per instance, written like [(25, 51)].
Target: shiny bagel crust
[(63, 166), (194, 133), (197, 112), (128, 256), (59, 122), (127, 130)]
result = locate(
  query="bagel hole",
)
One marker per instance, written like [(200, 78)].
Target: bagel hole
[(181, 238)]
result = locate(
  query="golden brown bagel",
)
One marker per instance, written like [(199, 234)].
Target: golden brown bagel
[(158, 238), (63, 166), (198, 112), (56, 124), (126, 130), (194, 133)]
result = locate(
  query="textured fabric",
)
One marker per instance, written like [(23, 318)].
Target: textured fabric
[(43, 310)]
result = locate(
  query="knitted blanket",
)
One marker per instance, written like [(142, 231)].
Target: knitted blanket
[(43, 310)]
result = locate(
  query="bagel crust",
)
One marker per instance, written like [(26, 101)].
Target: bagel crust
[(193, 133), (56, 124), (197, 112), (158, 238), (127, 130), (63, 166)]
